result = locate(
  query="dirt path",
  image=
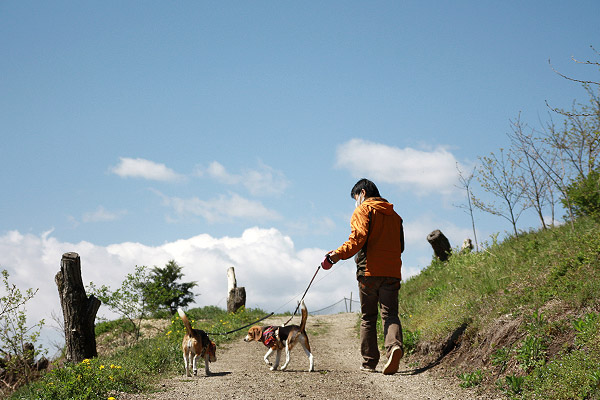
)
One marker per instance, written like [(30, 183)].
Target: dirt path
[(240, 372)]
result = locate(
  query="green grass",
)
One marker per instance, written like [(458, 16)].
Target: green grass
[(133, 368), (517, 278)]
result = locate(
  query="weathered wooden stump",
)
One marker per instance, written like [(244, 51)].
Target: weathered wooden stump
[(236, 295), (440, 244), (79, 311)]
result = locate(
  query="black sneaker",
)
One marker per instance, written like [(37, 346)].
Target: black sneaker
[(391, 366)]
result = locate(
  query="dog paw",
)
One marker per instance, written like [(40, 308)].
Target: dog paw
[(273, 368)]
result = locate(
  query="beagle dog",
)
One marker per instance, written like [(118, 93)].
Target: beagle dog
[(277, 338), (196, 344)]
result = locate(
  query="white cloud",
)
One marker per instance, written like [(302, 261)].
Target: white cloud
[(264, 180), (218, 172), (425, 171), (272, 271), (223, 207), (145, 169), (101, 215)]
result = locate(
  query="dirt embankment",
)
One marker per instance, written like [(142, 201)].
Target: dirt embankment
[(240, 372)]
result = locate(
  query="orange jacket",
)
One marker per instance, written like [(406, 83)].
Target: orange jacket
[(376, 220)]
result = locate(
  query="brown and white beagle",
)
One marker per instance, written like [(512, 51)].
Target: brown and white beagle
[(277, 338), (196, 343)]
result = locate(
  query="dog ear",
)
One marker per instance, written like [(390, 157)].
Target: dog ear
[(256, 333)]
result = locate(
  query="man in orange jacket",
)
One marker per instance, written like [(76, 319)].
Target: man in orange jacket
[(377, 242)]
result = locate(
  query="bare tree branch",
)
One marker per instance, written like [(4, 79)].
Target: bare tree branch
[(466, 184), (573, 79)]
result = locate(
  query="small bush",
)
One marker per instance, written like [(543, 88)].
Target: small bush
[(584, 196), (512, 384), (88, 380), (500, 358), (411, 339), (471, 379)]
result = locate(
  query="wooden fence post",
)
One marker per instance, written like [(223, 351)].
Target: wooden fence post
[(79, 311)]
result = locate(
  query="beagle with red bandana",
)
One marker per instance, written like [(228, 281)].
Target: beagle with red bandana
[(277, 338), (196, 344)]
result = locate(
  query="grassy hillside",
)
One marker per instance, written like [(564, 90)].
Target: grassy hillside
[(520, 317)]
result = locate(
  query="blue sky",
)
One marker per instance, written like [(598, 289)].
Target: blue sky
[(230, 134)]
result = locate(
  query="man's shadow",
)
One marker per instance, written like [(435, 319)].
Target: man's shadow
[(451, 343)]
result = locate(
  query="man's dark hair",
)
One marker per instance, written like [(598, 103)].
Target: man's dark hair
[(369, 187)]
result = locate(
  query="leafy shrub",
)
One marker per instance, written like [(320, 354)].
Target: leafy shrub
[(584, 196), (410, 339), (532, 352), (471, 379), (17, 339), (500, 358), (585, 327), (512, 384), (89, 380)]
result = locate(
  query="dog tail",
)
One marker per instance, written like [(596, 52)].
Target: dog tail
[(186, 322), (304, 317)]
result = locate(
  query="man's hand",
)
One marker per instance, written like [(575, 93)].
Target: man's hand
[(334, 257), (328, 262)]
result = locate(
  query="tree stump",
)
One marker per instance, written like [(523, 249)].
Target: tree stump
[(79, 311), (236, 295), (440, 244)]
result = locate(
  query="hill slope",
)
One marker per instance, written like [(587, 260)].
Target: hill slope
[(503, 318)]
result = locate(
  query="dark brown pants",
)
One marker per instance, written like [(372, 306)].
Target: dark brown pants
[(373, 291)]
